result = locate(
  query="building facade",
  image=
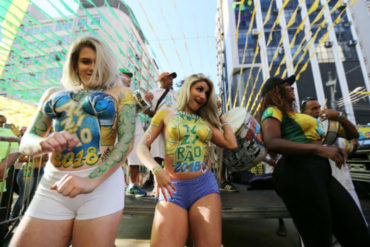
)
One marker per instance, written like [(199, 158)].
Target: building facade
[(42, 42), (360, 13), (314, 39)]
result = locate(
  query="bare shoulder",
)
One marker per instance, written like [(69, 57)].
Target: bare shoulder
[(48, 93), (169, 115)]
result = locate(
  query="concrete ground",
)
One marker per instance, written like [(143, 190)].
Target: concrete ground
[(135, 228), (134, 231)]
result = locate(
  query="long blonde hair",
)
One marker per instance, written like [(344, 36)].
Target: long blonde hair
[(105, 72), (208, 111)]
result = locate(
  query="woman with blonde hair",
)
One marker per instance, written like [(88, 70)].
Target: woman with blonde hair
[(80, 198), (186, 188)]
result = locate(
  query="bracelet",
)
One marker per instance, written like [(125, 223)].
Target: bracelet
[(158, 168), (224, 123), (341, 116)]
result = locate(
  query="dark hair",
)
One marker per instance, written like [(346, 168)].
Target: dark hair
[(276, 97), (304, 102)]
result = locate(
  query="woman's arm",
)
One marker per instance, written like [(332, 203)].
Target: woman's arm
[(38, 129), (162, 178), (126, 132), (35, 141), (272, 138), (146, 141), (225, 139)]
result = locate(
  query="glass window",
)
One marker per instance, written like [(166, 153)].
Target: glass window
[(82, 22), (68, 25), (96, 20)]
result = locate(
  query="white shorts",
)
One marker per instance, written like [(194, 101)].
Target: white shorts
[(107, 198), (157, 147)]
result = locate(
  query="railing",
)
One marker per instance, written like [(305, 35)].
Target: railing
[(21, 179)]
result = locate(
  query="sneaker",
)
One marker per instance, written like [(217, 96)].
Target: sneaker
[(228, 187), (135, 191)]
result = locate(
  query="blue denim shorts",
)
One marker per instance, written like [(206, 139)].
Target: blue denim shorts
[(191, 190)]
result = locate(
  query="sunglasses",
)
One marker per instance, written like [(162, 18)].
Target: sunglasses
[(304, 102)]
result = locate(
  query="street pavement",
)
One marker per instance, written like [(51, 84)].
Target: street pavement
[(135, 230)]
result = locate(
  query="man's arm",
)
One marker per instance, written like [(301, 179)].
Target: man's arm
[(349, 128), (6, 163)]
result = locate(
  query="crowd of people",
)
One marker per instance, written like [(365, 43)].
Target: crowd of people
[(85, 130)]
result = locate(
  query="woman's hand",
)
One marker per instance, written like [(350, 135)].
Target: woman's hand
[(163, 183), (72, 186), (222, 118), (58, 141), (334, 153)]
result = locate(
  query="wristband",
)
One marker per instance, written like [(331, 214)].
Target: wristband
[(224, 123), (158, 168), (341, 116)]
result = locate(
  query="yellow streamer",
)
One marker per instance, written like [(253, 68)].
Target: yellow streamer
[(238, 23), (267, 18), (324, 38), (245, 49), (314, 6), (251, 70)]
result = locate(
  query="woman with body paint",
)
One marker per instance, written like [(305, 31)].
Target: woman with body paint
[(186, 188), (80, 198)]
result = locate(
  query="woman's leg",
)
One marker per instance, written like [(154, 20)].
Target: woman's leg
[(99, 232), (170, 225), (302, 184), (348, 223), (205, 221), (34, 232)]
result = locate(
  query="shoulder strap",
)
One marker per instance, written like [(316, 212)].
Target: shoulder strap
[(161, 98)]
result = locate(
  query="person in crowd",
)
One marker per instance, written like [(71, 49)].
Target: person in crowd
[(2, 121), (160, 98), (312, 107), (27, 178), (302, 177), (9, 153), (80, 199), (132, 159), (186, 187)]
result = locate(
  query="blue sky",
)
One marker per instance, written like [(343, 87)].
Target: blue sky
[(177, 25), (184, 28)]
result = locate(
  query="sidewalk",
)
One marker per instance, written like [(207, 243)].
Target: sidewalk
[(132, 243)]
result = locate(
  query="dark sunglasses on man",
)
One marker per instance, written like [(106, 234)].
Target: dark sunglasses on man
[(304, 102)]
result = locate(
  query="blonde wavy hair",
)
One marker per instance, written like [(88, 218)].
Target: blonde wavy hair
[(208, 111), (105, 73)]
